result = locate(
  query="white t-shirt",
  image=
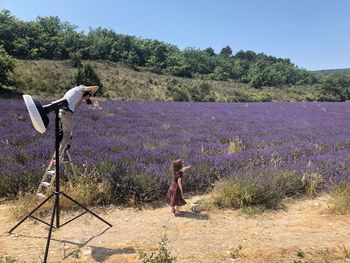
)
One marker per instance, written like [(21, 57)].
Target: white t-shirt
[(73, 96)]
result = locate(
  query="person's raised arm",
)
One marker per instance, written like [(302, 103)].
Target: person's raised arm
[(91, 89)]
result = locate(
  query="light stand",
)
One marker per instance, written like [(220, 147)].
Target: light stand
[(37, 114)]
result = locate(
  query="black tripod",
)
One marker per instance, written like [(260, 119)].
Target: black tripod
[(56, 195)]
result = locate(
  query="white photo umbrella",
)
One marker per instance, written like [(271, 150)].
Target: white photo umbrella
[(37, 113)]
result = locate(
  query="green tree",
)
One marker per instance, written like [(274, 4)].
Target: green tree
[(210, 51), (7, 65), (336, 84), (226, 52), (198, 61), (8, 30), (155, 53), (248, 56), (86, 75), (75, 60), (176, 64), (100, 43), (48, 33)]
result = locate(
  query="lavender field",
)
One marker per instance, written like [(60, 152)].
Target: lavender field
[(131, 144)]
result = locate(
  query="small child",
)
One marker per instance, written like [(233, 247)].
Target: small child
[(174, 195)]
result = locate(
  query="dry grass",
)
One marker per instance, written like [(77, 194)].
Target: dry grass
[(85, 191), (340, 199), (48, 78)]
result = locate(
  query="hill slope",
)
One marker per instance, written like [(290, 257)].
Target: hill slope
[(330, 71), (50, 79)]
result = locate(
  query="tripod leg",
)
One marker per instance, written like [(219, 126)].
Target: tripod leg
[(57, 195), (30, 214), (87, 209), (55, 206)]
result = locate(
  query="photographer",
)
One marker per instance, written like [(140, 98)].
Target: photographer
[(74, 96)]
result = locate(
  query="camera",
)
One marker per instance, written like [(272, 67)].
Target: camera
[(87, 93)]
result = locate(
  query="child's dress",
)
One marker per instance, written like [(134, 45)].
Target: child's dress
[(174, 196)]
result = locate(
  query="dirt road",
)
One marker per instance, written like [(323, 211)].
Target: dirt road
[(305, 232)]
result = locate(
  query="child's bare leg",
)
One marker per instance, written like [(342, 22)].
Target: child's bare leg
[(173, 209)]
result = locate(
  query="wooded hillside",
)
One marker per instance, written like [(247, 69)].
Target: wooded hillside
[(259, 76)]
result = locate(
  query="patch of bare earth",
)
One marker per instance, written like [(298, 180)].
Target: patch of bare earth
[(305, 232)]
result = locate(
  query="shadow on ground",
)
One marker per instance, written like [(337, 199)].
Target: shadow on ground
[(101, 254), (192, 215)]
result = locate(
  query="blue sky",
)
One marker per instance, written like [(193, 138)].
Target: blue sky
[(314, 34)]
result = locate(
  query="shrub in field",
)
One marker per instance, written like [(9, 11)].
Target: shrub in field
[(234, 193), (163, 255), (235, 145), (340, 198), (312, 183), (264, 190), (13, 183), (24, 204), (136, 187), (89, 188), (180, 94)]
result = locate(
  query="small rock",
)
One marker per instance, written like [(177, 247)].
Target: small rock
[(87, 251), (196, 208)]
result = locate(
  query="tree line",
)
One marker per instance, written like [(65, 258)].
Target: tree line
[(50, 38)]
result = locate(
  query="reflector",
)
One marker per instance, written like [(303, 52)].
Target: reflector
[(37, 113)]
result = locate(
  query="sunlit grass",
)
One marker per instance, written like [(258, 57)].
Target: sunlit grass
[(340, 199)]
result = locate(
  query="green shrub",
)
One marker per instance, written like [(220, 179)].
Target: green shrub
[(340, 199), (265, 190), (89, 188), (291, 184), (26, 202), (87, 75), (235, 145), (181, 94), (136, 187), (161, 256), (234, 193), (75, 60), (311, 183)]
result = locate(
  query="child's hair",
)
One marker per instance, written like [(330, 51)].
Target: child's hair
[(177, 165)]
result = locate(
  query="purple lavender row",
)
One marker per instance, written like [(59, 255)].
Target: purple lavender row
[(132, 144)]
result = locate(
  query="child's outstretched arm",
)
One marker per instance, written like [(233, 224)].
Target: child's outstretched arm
[(183, 169)]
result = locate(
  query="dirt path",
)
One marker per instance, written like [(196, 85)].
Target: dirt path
[(306, 232)]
